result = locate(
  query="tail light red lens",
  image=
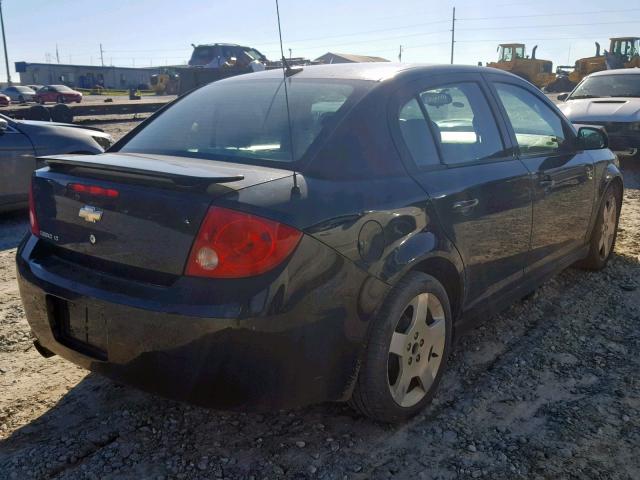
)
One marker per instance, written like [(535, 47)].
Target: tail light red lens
[(33, 218), (233, 244)]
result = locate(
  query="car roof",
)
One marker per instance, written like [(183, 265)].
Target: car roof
[(220, 45), (619, 71), (371, 71)]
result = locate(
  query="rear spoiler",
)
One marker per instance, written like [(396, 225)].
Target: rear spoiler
[(182, 171)]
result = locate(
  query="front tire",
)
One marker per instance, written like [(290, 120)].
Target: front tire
[(407, 351), (605, 231)]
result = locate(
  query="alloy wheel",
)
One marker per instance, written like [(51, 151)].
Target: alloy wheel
[(609, 214), (416, 350)]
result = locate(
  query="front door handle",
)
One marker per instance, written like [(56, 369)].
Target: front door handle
[(465, 206)]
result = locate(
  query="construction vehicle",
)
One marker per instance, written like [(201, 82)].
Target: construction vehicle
[(165, 83), (513, 58), (624, 52)]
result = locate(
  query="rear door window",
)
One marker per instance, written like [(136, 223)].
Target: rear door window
[(538, 129), (462, 123), (416, 134)]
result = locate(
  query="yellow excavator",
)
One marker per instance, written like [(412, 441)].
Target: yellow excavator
[(165, 83), (513, 58), (624, 52)]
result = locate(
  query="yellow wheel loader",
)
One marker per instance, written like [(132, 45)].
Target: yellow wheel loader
[(624, 52), (513, 58)]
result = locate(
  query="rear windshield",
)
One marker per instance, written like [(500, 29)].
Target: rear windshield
[(624, 85), (246, 121), (202, 55)]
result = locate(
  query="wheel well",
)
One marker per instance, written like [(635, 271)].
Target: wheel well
[(446, 273), (616, 184)]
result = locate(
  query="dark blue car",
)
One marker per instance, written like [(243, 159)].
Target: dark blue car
[(239, 252)]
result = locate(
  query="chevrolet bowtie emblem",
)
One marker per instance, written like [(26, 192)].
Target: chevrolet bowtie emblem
[(90, 214)]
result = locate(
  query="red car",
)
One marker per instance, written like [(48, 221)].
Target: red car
[(57, 94), (4, 100)]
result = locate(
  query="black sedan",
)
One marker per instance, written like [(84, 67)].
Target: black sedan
[(241, 252), (22, 141)]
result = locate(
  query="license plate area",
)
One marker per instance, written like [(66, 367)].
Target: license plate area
[(79, 326)]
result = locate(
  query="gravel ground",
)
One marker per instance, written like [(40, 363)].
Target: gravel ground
[(548, 389)]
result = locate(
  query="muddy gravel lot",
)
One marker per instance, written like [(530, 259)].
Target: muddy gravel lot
[(548, 389)]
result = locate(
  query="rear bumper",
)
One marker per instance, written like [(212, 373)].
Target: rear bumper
[(288, 340)]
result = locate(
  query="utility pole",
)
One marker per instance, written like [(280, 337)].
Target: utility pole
[(101, 56), (400, 54), (4, 43), (453, 32), (58, 54)]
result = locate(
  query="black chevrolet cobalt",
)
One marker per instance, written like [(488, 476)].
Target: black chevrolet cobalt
[(266, 243)]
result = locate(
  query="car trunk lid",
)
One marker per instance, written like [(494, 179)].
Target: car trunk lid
[(140, 211)]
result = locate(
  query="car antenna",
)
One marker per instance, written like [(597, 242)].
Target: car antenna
[(287, 71)]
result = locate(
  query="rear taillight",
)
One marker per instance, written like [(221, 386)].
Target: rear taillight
[(33, 218), (233, 244)]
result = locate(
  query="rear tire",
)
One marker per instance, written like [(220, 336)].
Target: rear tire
[(604, 234), (407, 351)]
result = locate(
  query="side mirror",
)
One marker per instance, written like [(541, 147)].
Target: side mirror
[(592, 138), (563, 97), (3, 125)]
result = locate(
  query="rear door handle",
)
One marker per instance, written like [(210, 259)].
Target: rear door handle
[(466, 205), (589, 170), (547, 182)]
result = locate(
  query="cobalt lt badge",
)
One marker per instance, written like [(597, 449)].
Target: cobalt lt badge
[(90, 214)]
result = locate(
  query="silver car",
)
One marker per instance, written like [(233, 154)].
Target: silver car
[(610, 98), (20, 94), (22, 141)]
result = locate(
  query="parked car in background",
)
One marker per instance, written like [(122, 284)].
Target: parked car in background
[(610, 98), (22, 141), (35, 88), (58, 94), (239, 251), (5, 101), (19, 93)]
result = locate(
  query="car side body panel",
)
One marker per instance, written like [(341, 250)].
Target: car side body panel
[(17, 162)]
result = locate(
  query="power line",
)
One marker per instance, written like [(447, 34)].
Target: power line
[(415, 25), (512, 27), (549, 14), (476, 40), (401, 27)]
